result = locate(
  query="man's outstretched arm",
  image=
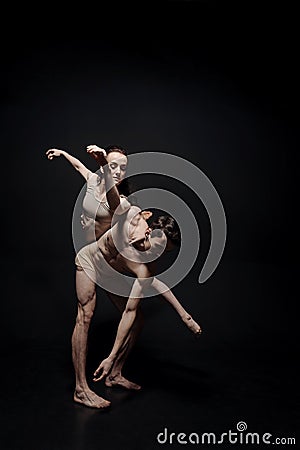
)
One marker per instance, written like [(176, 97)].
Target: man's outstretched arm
[(127, 320), (129, 314)]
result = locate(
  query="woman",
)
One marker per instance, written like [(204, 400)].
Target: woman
[(122, 249), (105, 191), (99, 202)]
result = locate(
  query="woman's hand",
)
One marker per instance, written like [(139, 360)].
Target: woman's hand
[(52, 152), (105, 366), (86, 222), (99, 154)]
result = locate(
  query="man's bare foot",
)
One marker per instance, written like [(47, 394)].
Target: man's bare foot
[(119, 380), (89, 398), (192, 325)]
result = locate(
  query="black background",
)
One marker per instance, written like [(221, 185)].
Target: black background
[(217, 85)]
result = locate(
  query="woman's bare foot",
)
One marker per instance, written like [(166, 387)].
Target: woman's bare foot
[(89, 398), (192, 325), (119, 380)]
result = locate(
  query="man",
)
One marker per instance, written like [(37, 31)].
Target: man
[(127, 248)]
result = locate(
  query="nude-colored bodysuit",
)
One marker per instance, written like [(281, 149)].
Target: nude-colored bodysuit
[(97, 215), (105, 261)]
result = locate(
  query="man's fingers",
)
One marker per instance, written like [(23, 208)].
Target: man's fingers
[(96, 372), (101, 376), (96, 379)]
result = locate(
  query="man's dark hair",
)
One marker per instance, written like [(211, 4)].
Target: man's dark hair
[(169, 226)]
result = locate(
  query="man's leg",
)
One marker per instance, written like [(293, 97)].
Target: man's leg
[(115, 377), (86, 294)]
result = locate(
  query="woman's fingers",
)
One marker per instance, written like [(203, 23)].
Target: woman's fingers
[(96, 149), (50, 154), (53, 152)]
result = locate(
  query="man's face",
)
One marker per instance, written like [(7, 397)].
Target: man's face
[(139, 229), (143, 238)]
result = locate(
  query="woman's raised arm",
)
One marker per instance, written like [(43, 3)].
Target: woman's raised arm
[(118, 204), (84, 171)]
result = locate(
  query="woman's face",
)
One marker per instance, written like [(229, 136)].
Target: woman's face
[(118, 165)]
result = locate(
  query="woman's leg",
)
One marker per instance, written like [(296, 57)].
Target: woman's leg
[(86, 295)]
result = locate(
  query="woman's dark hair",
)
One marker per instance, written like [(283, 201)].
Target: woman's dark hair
[(115, 148), (125, 187), (169, 226)]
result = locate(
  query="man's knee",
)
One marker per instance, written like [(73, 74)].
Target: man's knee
[(86, 297), (85, 313)]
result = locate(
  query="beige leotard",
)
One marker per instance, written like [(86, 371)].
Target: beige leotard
[(97, 215)]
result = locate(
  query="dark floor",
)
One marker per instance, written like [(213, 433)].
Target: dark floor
[(243, 368)]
